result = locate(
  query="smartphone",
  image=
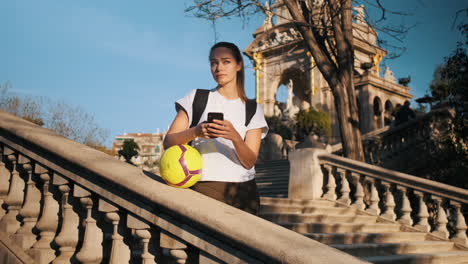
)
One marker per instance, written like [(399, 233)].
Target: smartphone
[(215, 115)]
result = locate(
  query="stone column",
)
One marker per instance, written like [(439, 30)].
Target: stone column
[(67, 238), (120, 252), (140, 231), (24, 237), (9, 223), (91, 250), (41, 251), (4, 182)]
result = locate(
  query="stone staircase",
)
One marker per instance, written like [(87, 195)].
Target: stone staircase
[(359, 233), (272, 178)]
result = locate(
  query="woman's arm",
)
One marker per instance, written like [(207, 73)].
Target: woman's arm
[(247, 150), (180, 133)]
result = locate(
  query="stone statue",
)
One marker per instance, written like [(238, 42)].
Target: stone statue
[(268, 22), (360, 14), (388, 75), (289, 100), (292, 103), (276, 110)]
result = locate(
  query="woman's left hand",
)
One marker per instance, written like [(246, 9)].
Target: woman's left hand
[(223, 129)]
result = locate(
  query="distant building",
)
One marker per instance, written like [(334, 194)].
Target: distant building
[(151, 148)]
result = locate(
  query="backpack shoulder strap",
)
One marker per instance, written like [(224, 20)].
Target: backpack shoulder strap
[(199, 105), (250, 109)]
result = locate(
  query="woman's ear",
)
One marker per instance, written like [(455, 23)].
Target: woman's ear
[(239, 66)]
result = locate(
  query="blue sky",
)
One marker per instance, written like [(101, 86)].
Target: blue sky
[(126, 62)]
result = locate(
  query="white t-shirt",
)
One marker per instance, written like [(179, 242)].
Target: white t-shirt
[(220, 160)]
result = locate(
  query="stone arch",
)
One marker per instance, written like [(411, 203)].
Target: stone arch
[(300, 83), (388, 117), (300, 97), (378, 113)]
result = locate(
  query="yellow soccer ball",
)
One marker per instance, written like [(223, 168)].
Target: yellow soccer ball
[(181, 166)]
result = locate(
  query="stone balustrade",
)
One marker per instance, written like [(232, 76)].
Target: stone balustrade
[(63, 202), (417, 203), (415, 137)]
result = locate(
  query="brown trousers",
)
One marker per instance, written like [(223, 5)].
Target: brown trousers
[(242, 195)]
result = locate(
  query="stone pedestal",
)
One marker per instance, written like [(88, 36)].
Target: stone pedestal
[(305, 176)]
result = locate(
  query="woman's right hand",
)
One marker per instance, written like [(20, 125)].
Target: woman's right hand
[(202, 130)]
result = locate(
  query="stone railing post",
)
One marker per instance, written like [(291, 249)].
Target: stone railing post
[(330, 187), (389, 202), (345, 190), (91, 250), (373, 207), (24, 237), (4, 182), (460, 234), (305, 177), (173, 247), (120, 252), (140, 231), (42, 251), (67, 238), (405, 217), (14, 200), (423, 214), (359, 194), (441, 219)]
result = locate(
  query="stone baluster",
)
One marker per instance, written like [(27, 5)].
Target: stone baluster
[(25, 237), (42, 251), (423, 214), (389, 203), (331, 185), (14, 200), (441, 219), (140, 231), (460, 234), (91, 250), (120, 252), (345, 190), (359, 195), (373, 207), (173, 247), (4, 182), (67, 238), (405, 217)]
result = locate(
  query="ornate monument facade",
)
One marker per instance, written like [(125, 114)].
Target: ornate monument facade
[(281, 58)]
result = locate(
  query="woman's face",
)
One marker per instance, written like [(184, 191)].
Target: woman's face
[(224, 66)]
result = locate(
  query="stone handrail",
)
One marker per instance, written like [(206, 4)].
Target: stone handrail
[(95, 209), (389, 194)]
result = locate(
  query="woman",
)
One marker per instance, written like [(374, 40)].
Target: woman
[(229, 148)]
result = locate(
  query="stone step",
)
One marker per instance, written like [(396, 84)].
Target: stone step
[(305, 228), (386, 249), (318, 218), (364, 237), (448, 257), (272, 208), (300, 202), (269, 183), (274, 195), (274, 176)]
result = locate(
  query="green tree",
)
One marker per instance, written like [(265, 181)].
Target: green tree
[(129, 150), (312, 122), (276, 126)]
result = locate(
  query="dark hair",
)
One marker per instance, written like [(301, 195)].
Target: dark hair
[(238, 57)]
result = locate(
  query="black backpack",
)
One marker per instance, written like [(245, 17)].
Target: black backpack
[(199, 105)]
